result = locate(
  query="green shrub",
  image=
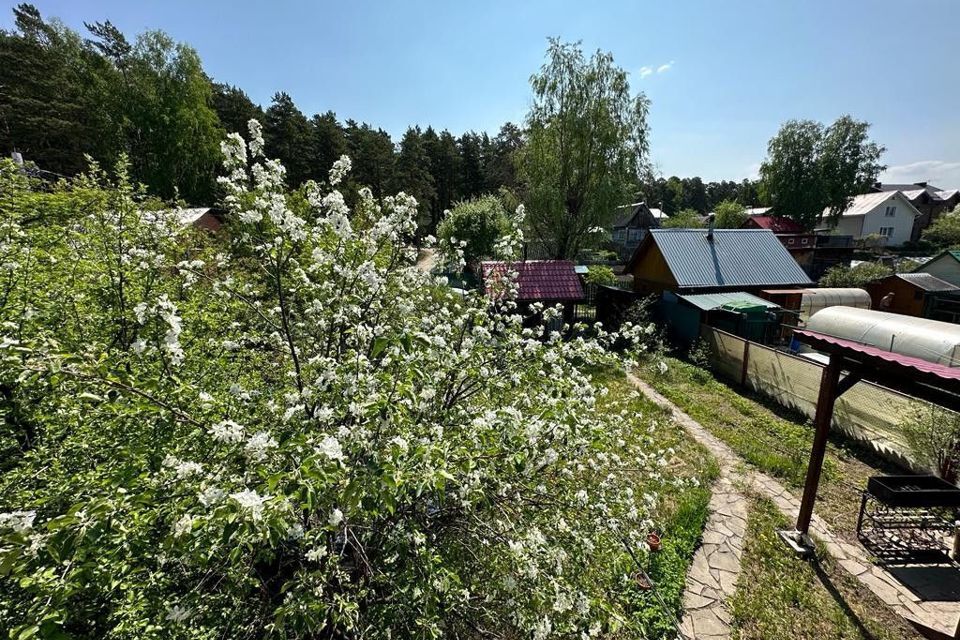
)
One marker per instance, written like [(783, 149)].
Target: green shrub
[(858, 276), (479, 223)]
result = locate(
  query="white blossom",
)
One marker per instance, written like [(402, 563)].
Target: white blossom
[(251, 501), (330, 447)]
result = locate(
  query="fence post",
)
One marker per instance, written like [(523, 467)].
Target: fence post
[(746, 363)]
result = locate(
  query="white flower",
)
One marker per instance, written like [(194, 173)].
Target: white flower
[(400, 443), (140, 311), (542, 629), (183, 526), (183, 468), (139, 346), (211, 496), (227, 431), (251, 501), (178, 614), (256, 137), (258, 445), (19, 521), (330, 447), (336, 517), (340, 169), (662, 367), (315, 554)]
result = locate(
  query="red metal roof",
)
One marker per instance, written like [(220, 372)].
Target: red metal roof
[(917, 364), (776, 224), (540, 280)]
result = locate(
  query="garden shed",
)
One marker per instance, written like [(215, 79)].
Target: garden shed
[(945, 265), (548, 282), (736, 312), (911, 294), (688, 261)]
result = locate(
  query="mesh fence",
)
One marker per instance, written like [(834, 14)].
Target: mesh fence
[(866, 412)]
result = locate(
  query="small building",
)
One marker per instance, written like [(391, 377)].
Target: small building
[(888, 215), (630, 225), (548, 282), (945, 265), (736, 312), (911, 294), (206, 218), (689, 261)]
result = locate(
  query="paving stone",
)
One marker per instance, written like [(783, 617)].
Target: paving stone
[(716, 565)]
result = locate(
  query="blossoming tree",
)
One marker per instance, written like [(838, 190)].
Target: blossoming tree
[(293, 432)]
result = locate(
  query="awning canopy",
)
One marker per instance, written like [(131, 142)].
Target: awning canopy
[(710, 301), (937, 383)]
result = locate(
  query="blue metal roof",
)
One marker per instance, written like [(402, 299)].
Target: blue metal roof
[(731, 258)]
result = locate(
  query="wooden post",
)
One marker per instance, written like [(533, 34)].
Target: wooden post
[(746, 363), (821, 422)]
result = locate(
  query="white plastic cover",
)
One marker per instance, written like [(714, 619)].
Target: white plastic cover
[(814, 300), (918, 337)]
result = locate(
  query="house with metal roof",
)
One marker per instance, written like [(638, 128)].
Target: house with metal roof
[(690, 261), (888, 215), (915, 294), (932, 202), (945, 265), (548, 282)]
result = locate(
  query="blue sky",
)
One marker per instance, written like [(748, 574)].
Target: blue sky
[(721, 75)]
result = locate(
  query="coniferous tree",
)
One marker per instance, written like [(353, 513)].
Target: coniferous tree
[(234, 108), (287, 135), (372, 153), (329, 143)]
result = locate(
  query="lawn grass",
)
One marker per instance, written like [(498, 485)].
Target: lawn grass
[(783, 597), (681, 512), (775, 440)]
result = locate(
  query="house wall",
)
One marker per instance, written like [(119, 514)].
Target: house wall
[(848, 226), (945, 267), (908, 299), (651, 273), (902, 222)]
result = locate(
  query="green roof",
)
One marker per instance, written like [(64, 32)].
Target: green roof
[(739, 299), (953, 253)]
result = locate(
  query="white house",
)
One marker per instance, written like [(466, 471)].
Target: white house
[(887, 214)]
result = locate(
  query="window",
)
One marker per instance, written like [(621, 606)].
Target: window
[(634, 234), (618, 235), (891, 211), (805, 241), (886, 232), (791, 241)]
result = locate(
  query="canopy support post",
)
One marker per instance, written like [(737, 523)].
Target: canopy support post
[(827, 397), (821, 423)]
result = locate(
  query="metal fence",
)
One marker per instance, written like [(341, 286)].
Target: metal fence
[(867, 412)]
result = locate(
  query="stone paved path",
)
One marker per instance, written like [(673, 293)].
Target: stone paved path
[(716, 565)]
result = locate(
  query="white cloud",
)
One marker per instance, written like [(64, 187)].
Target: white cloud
[(940, 173), (665, 67), (646, 71)]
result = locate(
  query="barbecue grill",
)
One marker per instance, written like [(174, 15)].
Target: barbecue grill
[(909, 519)]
